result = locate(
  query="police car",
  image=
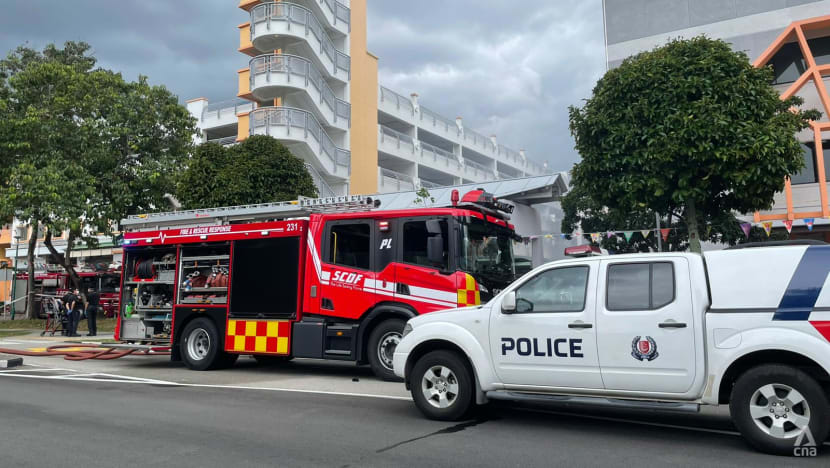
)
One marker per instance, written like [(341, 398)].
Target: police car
[(747, 327)]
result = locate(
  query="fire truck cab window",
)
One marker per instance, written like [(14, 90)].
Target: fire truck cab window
[(416, 238), (349, 245)]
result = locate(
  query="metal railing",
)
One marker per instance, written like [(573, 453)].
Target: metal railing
[(232, 106), (400, 140), (478, 140), (224, 141), (400, 181), (323, 189), (510, 154), (401, 102), (429, 185), (296, 14), (438, 121), (438, 155), (339, 11), (505, 175), (299, 120), (302, 68), (478, 166)]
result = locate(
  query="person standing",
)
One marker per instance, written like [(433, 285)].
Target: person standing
[(68, 300), (92, 299), (77, 310)]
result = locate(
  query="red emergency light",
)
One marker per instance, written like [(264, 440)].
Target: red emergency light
[(583, 251)]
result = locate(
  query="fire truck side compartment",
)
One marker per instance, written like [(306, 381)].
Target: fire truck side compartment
[(265, 279)]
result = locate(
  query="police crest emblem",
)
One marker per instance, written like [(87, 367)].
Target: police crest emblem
[(644, 349)]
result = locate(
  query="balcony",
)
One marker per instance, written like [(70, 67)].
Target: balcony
[(439, 159), (337, 15), (396, 105), (277, 25), (439, 125), (274, 74), (323, 188), (302, 132), (224, 141), (476, 171), (479, 143), (223, 113), (391, 181), (396, 143)]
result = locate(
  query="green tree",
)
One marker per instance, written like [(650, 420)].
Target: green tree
[(258, 170), (690, 129), (81, 147)]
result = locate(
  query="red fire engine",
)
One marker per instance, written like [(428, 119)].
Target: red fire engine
[(57, 284), (314, 278)]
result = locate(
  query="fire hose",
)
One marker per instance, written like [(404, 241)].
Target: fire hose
[(91, 351)]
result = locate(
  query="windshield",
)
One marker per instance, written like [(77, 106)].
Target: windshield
[(487, 253)]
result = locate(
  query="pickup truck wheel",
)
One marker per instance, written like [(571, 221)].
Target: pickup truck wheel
[(383, 340), (201, 346), (774, 405), (442, 386)]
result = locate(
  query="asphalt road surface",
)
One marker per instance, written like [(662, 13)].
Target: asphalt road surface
[(80, 416)]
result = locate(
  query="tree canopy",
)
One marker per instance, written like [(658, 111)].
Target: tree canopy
[(260, 169), (80, 147), (690, 129)]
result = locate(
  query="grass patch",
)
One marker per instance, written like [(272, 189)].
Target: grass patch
[(7, 333), (105, 325)]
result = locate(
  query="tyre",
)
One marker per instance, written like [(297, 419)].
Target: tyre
[(266, 360), (383, 340), (201, 346), (442, 386), (773, 406)]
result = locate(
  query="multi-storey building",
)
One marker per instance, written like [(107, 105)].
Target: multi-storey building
[(311, 82), (793, 36)]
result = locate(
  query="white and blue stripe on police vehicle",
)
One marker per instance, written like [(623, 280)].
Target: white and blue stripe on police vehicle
[(748, 327)]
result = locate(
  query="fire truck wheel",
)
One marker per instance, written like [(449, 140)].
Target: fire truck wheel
[(442, 386), (776, 407), (201, 346), (383, 340)]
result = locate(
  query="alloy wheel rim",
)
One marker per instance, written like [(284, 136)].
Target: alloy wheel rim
[(780, 411), (439, 386)]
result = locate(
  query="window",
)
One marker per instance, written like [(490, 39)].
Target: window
[(809, 174), (788, 64), (416, 237), (349, 245), (557, 290), (640, 286)]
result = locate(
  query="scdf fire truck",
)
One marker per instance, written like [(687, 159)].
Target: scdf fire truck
[(314, 278)]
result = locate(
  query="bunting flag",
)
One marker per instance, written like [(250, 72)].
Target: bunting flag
[(610, 234), (595, 237), (563, 235), (767, 227), (746, 228), (665, 233), (645, 233), (789, 225), (809, 222), (627, 235)]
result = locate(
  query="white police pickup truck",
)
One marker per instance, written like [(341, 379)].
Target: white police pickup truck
[(747, 327)]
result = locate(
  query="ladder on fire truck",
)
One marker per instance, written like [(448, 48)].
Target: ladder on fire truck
[(248, 213)]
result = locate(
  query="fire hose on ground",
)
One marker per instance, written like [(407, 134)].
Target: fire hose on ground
[(70, 352)]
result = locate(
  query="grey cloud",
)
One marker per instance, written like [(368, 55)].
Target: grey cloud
[(508, 67)]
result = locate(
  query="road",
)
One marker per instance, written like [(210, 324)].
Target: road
[(61, 413)]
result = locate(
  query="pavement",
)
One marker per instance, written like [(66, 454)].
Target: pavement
[(147, 411)]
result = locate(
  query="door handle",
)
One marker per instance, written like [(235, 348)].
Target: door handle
[(580, 325), (672, 324)]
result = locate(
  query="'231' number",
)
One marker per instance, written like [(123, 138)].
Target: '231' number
[(290, 227)]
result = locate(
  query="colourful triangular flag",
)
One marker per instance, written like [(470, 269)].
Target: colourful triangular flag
[(809, 222), (746, 228), (627, 235), (665, 233), (789, 225), (610, 234), (767, 227), (645, 233), (595, 237)]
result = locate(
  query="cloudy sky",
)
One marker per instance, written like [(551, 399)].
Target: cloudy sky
[(507, 67)]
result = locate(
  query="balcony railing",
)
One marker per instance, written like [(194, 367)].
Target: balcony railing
[(429, 185), (299, 120), (510, 155), (438, 155), (400, 140), (478, 166), (438, 121), (225, 141), (401, 103), (296, 14), (477, 140), (323, 189), (397, 180), (338, 10), (302, 68), (232, 107)]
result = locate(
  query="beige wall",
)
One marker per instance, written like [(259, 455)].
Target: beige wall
[(364, 100)]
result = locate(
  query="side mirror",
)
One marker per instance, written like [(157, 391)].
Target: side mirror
[(435, 250), (508, 303)]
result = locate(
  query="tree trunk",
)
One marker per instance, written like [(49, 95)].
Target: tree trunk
[(64, 260), (30, 269), (691, 224)]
